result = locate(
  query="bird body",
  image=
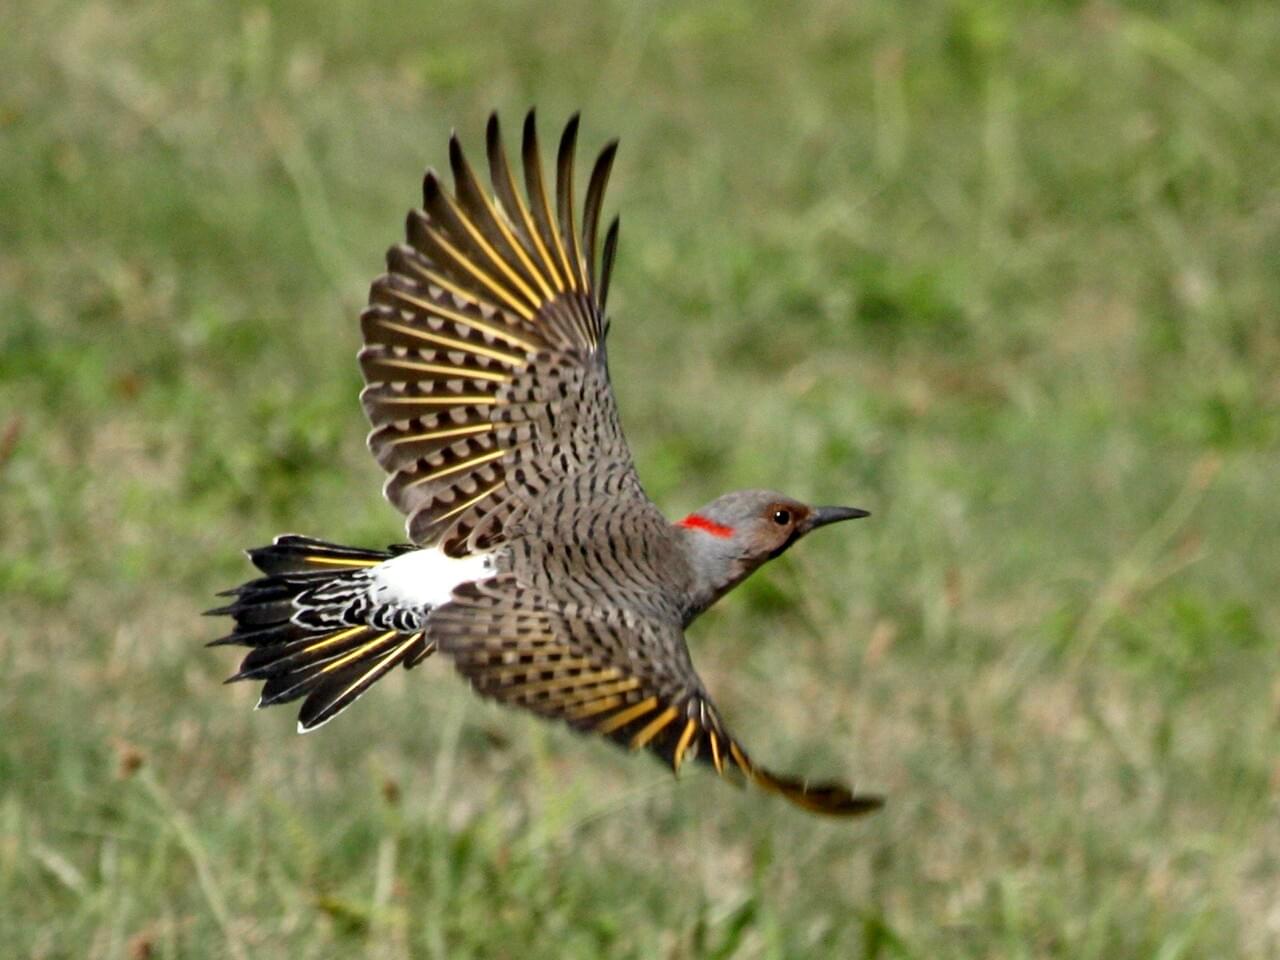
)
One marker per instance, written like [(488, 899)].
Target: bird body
[(537, 563)]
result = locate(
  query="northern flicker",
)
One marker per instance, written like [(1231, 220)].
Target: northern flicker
[(537, 562)]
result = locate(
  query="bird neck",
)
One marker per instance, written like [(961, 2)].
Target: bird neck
[(716, 565)]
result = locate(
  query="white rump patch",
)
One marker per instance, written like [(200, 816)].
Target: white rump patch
[(422, 579)]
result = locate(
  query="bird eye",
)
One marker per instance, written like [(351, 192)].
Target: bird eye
[(782, 517)]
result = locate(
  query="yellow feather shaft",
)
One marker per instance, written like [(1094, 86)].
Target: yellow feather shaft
[(457, 316), (357, 653), (470, 503), (501, 219), (556, 683), (623, 717), (532, 230), (654, 727), (452, 343), (555, 236), (459, 467), (339, 562), (333, 638), (443, 400), (448, 370), (716, 759), (581, 699), (478, 237), (466, 431), (464, 261), (682, 744), (391, 655), (592, 707), (462, 293)]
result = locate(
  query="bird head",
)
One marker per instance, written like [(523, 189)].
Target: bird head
[(735, 533)]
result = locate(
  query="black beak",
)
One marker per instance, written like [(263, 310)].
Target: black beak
[(821, 516)]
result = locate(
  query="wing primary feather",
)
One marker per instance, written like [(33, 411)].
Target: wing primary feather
[(431, 239), (606, 262), (452, 343), (479, 225), (457, 316), (453, 468), (444, 209), (591, 210), (471, 194), (593, 707), (466, 431), (471, 502), (682, 745), (654, 727), (623, 717), (422, 237), (584, 699), (564, 200), (829, 799), (504, 185), (539, 203), (716, 760), (447, 370), (423, 651), (442, 400)]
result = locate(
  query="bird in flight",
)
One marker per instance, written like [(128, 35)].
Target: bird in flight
[(537, 564)]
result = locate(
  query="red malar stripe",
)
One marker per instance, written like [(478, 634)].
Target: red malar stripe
[(695, 522)]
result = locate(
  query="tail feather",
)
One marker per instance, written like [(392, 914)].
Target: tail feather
[(326, 671), (308, 638), (311, 650), (293, 553), (346, 686)]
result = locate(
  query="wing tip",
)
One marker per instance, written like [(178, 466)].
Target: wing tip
[(493, 133), (431, 186), (569, 138), (831, 798)]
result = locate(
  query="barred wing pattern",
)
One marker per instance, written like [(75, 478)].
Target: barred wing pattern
[(485, 377), (487, 389), (609, 672)]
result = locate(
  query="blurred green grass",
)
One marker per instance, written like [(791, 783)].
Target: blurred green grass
[(1004, 273)]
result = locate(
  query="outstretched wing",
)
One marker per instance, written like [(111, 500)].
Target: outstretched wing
[(607, 672), (483, 356)]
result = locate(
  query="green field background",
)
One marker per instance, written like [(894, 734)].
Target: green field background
[(1005, 274)]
